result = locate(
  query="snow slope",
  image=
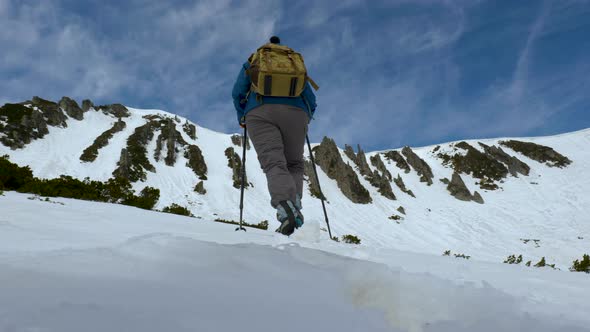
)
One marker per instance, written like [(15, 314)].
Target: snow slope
[(551, 205), (86, 266)]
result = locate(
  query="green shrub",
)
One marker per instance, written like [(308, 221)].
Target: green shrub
[(12, 176), (581, 266), (335, 238), (261, 225), (177, 209), (541, 263), (351, 239), (512, 259), (447, 253), (462, 256), (147, 198)]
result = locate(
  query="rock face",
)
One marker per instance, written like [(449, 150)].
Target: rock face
[(540, 153), (399, 160), (190, 130), (329, 159), (314, 188), (459, 190), (71, 108), (377, 180), (87, 105), (402, 186), (200, 188), (51, 112), (136, 162), (170, 137), (196, 161), (20, 125), (237, 140), (480, 165), (378, 163), (117, 110), (91, 152), (235, 163), (419, 165), (515, 165)]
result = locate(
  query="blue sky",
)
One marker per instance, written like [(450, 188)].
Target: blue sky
[(392, 73)]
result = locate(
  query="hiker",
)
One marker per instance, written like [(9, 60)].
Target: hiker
[(276, 110)]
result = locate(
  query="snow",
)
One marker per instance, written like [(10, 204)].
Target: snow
[(86, 266)]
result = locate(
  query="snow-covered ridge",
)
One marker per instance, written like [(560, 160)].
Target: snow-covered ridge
[(551, 205)]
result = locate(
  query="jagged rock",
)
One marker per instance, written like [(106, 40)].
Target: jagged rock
[(124, 165), (477, 198), (329, 159), (419, 165), (480, 165), (87, 105), (196, 161), (138, 162), (91, 152), (200, 188), (71, 108), (459, 190), (235, 163), (382, 184), (401, 210), (378, 163), (514, 164), (20, 125), (237, 140), (117, 110), (537, 152), (314, 188), (400, 162), (170, 136), (359, 159), (53, 115), (402, 186), (190, 130)]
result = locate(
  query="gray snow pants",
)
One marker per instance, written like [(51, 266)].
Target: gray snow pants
[(278, 134)]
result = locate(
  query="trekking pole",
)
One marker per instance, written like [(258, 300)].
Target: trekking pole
[(244, 138), (319, 187)]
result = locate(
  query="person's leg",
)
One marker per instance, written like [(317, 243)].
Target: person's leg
[(293, 122), (267, 139)]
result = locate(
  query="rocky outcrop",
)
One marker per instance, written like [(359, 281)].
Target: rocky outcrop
[(200, 188), (170, 137), (329, 159), (90, 153), (377, 180), (537, 152), (459, 190), (117, 110), (19, 125), (314, 188), (196, 161), (235, 163), (71, 108), (401, 210), (237, 140), (380, 166), (381, 182), (480, 165), (402, 186), (52, 113), (190, 130), (399, 160), (419, 165), (515, 165), (136, 162), (87, 105)]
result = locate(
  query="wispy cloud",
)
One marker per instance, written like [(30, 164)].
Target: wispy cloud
[(391, 72)]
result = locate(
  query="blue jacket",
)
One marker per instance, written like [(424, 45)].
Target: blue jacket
[(242, 86)]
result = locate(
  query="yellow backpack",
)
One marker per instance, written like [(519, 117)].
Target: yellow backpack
[(278, 71)]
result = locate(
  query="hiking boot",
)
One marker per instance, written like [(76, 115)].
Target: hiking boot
[(289, 217)]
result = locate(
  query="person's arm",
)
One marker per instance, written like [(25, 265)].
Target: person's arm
[(240, 90), (309, 97)]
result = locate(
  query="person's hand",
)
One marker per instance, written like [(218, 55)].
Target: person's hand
[(243, 125)]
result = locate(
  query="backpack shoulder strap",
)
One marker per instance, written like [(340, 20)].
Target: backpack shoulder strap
[(312, 82)]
